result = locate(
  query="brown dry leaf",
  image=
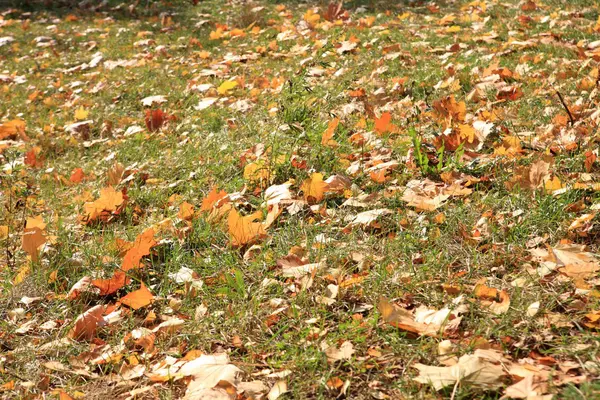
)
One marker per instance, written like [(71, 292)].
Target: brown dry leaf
[(475, 369), (243, 230), (531, 177), (314, 188), (87, 323), (81, 286), (424, 321), (279, 388), (538, 173), (580, 270), (344, 352), (531, 388), (573, 254), (139, 298), (424, 195), (115, 174)]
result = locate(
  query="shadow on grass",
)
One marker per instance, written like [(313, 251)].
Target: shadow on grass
[(116, 9), (133, 9)]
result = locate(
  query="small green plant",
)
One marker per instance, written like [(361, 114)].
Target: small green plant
[(235, 285), (444, 161)]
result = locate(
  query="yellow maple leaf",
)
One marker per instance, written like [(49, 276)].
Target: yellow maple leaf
[(553, 184), (81, 114), (226, 86), (215, 35), (467, 132), (3, 232), (109, 200), (21, 274), (257, 172), (244, 230), (314, 188)]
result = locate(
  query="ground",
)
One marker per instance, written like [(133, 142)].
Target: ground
[(368, 200)]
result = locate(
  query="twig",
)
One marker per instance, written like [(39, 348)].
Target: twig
[(565, 106), (453, 395)]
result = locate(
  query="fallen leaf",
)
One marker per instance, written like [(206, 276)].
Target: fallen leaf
[(111, 285), (344, 352), (151, 100), (243, 230), (12, 129), (86, 324), (313, 188), (139, 298), (279, 388), (214, 199), (109, 201), (471, 369), (226, 86), (141, 248), (32, 240), (81, 114)]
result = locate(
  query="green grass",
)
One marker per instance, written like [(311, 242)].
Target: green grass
[(408, 258)]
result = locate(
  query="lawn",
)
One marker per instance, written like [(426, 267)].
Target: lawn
[(262, 199)]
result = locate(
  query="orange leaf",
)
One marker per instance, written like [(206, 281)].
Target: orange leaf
[(186, 211), (109, 286), (328, 134), (382, 124), (378, 176), (141, 247), (590, 158), (214, 198), (139, 298), (155, 119), (87, 323), (510, 93), (32, 240), (484, 292), (314, 188), (108, 201), (32, 159), (36, 222), (13, 128), (356, 93), (244, 230), (77, 175), (448, 108)]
